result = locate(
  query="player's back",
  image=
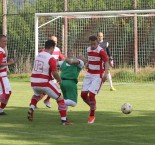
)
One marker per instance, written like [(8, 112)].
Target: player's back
[(41, 68)]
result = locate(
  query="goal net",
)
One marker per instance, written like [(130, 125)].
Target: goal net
[(130, 34)]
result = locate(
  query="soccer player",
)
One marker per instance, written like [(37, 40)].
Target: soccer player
[(58, 56), (94, 75), (70, 69), (5, 88), (105, 45), (44, 66)]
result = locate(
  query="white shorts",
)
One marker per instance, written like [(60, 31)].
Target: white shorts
[(50, 89), (92, 83), (5, 86)]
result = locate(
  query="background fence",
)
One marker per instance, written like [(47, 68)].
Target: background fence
[(119, 31)]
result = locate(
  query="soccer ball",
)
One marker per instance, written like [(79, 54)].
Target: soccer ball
[(126, 108)]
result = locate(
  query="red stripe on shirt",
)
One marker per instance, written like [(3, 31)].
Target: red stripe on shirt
[(40, 76)]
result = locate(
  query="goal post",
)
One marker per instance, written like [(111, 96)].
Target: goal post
[(132, 43)]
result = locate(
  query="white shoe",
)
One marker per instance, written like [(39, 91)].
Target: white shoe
[(47, 103)]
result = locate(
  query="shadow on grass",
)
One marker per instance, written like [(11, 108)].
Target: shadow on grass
[(110, 128)]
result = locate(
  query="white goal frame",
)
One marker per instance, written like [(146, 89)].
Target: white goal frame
[(62, 14)]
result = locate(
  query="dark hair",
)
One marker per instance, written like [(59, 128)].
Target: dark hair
[(1, 36), (92, 38), (49, 44)]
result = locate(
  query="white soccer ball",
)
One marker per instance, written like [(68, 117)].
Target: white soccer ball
[(126, 108)]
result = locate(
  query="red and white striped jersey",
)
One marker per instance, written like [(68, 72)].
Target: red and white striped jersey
[(56, 54), (3, 59), (44, 64), (95, 60)]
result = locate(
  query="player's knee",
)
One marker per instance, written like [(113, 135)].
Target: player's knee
[(74, 104), (84, 94)]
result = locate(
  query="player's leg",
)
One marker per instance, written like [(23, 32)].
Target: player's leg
[(47, 100), (85, 88), (93, 91), (36, 99), (109, 79), (69, 91), (5, 93), (53, 91)]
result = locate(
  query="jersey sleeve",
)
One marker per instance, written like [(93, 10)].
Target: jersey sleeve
[(103, 55), (52, 63), (61, 57), (81, 64), (59, 63), (1, 56)]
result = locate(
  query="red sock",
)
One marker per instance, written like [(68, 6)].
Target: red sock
[(3, 105), (84, 96), (92, 104), (62, 108), (48, 98), (34, 100)]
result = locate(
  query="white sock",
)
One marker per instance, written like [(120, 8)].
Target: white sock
[(1, 110), (32, 107), (69, 102), (109, 79)]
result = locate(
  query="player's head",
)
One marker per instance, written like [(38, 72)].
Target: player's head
[(70, 53), (3, 41), (93, 42), (100, 36), (54, 38), (49, 45)]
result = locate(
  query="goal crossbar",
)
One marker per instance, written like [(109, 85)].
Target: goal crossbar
[(96, 12)]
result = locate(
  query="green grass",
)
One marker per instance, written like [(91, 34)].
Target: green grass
[(111, 127)]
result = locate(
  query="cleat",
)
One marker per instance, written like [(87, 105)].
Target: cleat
[(65, 122), (47, 103), (91, 119), (30, 114), (112, 89), (3, 113)]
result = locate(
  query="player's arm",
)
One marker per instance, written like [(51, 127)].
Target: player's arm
[(72, 61), (104, 58), (109, 55), (52, 63), (10, 62), (61, 57)]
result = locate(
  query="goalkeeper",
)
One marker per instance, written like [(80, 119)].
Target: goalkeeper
[(105, 45)]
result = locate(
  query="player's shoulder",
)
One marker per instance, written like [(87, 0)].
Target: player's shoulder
[(2, 50), (56, 49)]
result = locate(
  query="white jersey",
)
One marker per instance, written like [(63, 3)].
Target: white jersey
[(3, 69), (43, 65)]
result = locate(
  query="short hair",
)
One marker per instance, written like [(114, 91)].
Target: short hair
[(1, 36), (49, 44), (92, 38)]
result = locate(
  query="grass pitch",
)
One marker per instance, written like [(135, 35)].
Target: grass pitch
[(111, 127)]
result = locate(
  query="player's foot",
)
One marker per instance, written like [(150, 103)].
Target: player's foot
[(3, 113), (65, 122), (30, 114), (47, 103), (91, 119), (112, 89)]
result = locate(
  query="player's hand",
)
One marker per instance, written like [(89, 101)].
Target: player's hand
[(59, 82), (86, 66), (11, 61), (111, 63)]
